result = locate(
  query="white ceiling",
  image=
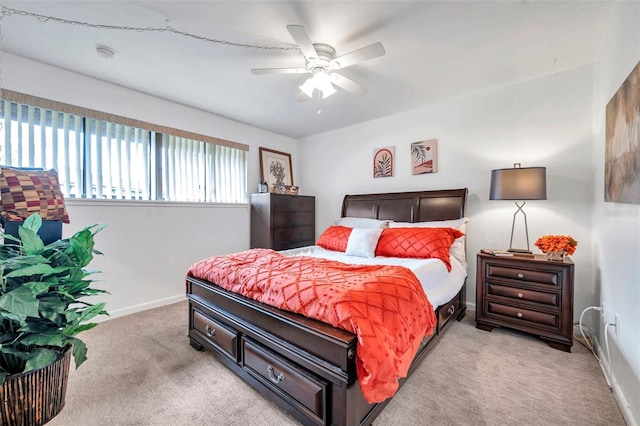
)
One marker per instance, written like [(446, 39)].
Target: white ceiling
[(434, 50)]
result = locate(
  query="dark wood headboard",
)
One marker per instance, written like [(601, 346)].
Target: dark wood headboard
[(418, 206)]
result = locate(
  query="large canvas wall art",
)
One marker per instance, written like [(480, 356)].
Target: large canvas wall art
[(622, 149)]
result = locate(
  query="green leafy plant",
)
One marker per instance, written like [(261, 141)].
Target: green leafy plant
[(42, 306)]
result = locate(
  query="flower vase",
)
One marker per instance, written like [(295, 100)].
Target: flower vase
[(557, 256)]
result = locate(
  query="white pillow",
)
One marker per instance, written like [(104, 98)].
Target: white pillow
[(457, 248), (363, 241), (362, 222)]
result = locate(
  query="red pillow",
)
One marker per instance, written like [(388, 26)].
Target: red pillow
[(335, 238), (418, 242)]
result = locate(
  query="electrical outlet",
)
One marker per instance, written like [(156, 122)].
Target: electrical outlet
[(603, 316), (616, 321)]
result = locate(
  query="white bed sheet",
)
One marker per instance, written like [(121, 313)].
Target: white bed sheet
[(439, 284)]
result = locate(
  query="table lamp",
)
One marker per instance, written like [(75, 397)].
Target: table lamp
[(519, 184)]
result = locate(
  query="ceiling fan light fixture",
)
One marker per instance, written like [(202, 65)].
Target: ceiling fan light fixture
[(308, 87), (320, 81), (328, 91)]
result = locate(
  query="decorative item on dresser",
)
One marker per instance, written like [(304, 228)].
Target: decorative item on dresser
[(281, 221), (526, 294), (276, 170), (556, 247)]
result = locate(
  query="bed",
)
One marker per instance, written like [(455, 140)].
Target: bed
[(305, 366)]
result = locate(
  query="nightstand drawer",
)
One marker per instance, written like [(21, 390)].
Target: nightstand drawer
[(543, 298), (531, 316), (522, 274)]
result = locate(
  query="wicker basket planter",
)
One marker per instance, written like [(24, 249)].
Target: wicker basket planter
[(36, 397)]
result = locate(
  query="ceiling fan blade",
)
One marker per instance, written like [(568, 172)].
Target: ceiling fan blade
[(348, 84), (279, 71), (303, 41), (374, 50)]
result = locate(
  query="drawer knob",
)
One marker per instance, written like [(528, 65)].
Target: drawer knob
[(520, 295), (210, 330), (520, 275), (519, 314), (451, 309), (275, 379)]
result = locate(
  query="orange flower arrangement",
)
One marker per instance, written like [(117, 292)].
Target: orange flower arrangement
[(549, 243)]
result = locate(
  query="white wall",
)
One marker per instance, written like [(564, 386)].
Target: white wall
[(543, 122), (616, 231), (148, 246)]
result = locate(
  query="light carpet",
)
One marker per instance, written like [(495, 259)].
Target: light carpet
[(142, 371)]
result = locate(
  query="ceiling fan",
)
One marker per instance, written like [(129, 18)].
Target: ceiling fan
[(321, 63)]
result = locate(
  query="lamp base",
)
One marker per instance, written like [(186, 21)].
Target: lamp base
[(512, 250)]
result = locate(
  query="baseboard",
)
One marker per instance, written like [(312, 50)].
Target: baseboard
[(618, 395), (140, 307)]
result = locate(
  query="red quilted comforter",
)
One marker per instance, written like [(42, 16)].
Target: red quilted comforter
[(385, 306)]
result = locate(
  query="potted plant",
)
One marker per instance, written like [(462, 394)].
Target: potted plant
[(42, 309)]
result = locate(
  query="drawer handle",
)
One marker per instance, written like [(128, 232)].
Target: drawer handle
[(520, 275), (519, 314), (210, 330), (451, 309), (520, 295), (275, 379)]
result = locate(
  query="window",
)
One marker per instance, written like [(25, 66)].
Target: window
[(102, 156)]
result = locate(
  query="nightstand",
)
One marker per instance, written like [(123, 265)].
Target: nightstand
[(532, 295)]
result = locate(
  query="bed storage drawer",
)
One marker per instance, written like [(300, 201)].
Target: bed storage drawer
[(222, 337), (301, 388), (446, 312)]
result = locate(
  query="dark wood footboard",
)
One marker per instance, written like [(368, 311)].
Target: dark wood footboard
[(305, 366)]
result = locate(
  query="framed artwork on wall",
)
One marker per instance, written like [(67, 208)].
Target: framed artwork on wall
[(622, 143), (424, 157), (383, 162), (276, 169)]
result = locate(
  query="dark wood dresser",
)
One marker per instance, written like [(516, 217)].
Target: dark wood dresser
[(533, 295), (281, 222)]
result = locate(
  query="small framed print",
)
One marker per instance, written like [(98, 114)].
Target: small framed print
[(383, 162), (276, 169), (424, 157)]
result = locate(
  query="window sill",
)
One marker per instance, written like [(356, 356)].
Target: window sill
[(149, 203)]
